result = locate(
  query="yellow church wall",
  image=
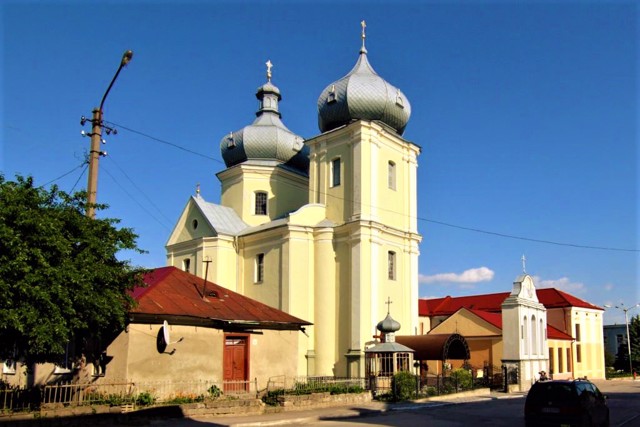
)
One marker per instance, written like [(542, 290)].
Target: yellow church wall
[(286, 191), (269, 243)]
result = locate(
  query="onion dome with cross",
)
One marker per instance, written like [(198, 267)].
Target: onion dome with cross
[(267, 138), (362, 95)]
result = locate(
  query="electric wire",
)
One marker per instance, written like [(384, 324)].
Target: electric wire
[(446, 224), (163, 141), (63, 175), (86, 165), (139, 189), (136, 200)]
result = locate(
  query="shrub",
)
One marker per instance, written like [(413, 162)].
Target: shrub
[(462, 379), (404, 386), (214, 392), (271, 397), (145, 399)]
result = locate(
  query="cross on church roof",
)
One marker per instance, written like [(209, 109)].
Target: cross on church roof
[(364, 25), (269, 65), (524, 264), (389, 302)]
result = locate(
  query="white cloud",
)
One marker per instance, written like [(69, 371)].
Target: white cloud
[(564, 284), (473, 275)]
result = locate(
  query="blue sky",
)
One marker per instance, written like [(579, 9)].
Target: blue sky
[(526, 112)]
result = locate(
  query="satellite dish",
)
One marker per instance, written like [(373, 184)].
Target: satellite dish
[(165, 332)]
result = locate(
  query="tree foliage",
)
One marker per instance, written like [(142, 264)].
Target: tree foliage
[(634, 336), (60, 279)]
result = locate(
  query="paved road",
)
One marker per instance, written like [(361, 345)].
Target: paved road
[(505, 411)]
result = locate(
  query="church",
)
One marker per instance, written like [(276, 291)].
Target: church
[(324, 229)]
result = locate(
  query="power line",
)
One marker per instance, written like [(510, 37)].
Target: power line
[(65, 174), (510, 236), (136, 200), (86, 165), (164, 142), (139, 189), (476, 230)]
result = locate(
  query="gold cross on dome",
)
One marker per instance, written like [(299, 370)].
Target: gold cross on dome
[(269, 65)]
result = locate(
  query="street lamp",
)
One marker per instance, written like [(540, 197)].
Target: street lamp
[(96, 139), (626, 322)]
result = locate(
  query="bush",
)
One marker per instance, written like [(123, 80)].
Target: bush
[(404, 386), (145, 399), (271, 397), (462, 379), (214, 392)]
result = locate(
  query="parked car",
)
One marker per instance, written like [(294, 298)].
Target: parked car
[(566, 403)]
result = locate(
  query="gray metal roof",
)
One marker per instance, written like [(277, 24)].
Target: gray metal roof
[(364, 95), (223, 219), (267, 137), (389, 347)]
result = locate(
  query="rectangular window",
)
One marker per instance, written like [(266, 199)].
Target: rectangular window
[(261, 203), (335, 172), (577, 332), (578, 353), (569, 360), (391, 265), (551, 366), (186, 265), (259, 268), (560, 364), (391, 175)]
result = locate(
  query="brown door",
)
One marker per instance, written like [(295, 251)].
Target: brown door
[(235, 364)]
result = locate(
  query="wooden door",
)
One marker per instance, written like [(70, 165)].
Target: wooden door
[(235, 364)]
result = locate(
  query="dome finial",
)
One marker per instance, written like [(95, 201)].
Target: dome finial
[(269, 65), (364, 36)]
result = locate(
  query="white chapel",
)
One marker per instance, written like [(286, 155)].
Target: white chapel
[(324, 228)]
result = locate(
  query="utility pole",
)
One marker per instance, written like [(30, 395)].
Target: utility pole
[(96, 139), (622, 307)]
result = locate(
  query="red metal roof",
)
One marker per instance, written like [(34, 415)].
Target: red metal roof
[(178, 294), (549, 297), (495, 319)]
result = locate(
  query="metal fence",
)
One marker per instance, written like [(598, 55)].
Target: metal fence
[(121, 393), (303, 385)]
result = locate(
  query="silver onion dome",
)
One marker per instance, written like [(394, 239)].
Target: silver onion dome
[(364, 95), (388, 325), (267, 138)]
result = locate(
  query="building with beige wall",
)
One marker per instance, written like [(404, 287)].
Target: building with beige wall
[(528, 328), (325, 228)]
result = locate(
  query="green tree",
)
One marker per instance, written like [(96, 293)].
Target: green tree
[(634, 337), (60, 279)]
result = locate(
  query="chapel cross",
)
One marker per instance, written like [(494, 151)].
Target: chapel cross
[(364, 25), (389, 302), (524, 264), (269, 65)]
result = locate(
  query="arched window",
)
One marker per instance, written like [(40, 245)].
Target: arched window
[(534, 336), (391, 265), (335, 172), (525, 336), (259, 269), (391, 175), (261, 203)]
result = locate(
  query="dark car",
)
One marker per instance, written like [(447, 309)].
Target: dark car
[(566, 403)]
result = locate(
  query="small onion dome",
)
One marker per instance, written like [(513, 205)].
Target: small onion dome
[(388, 325), (267, 138), (362, 95)]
